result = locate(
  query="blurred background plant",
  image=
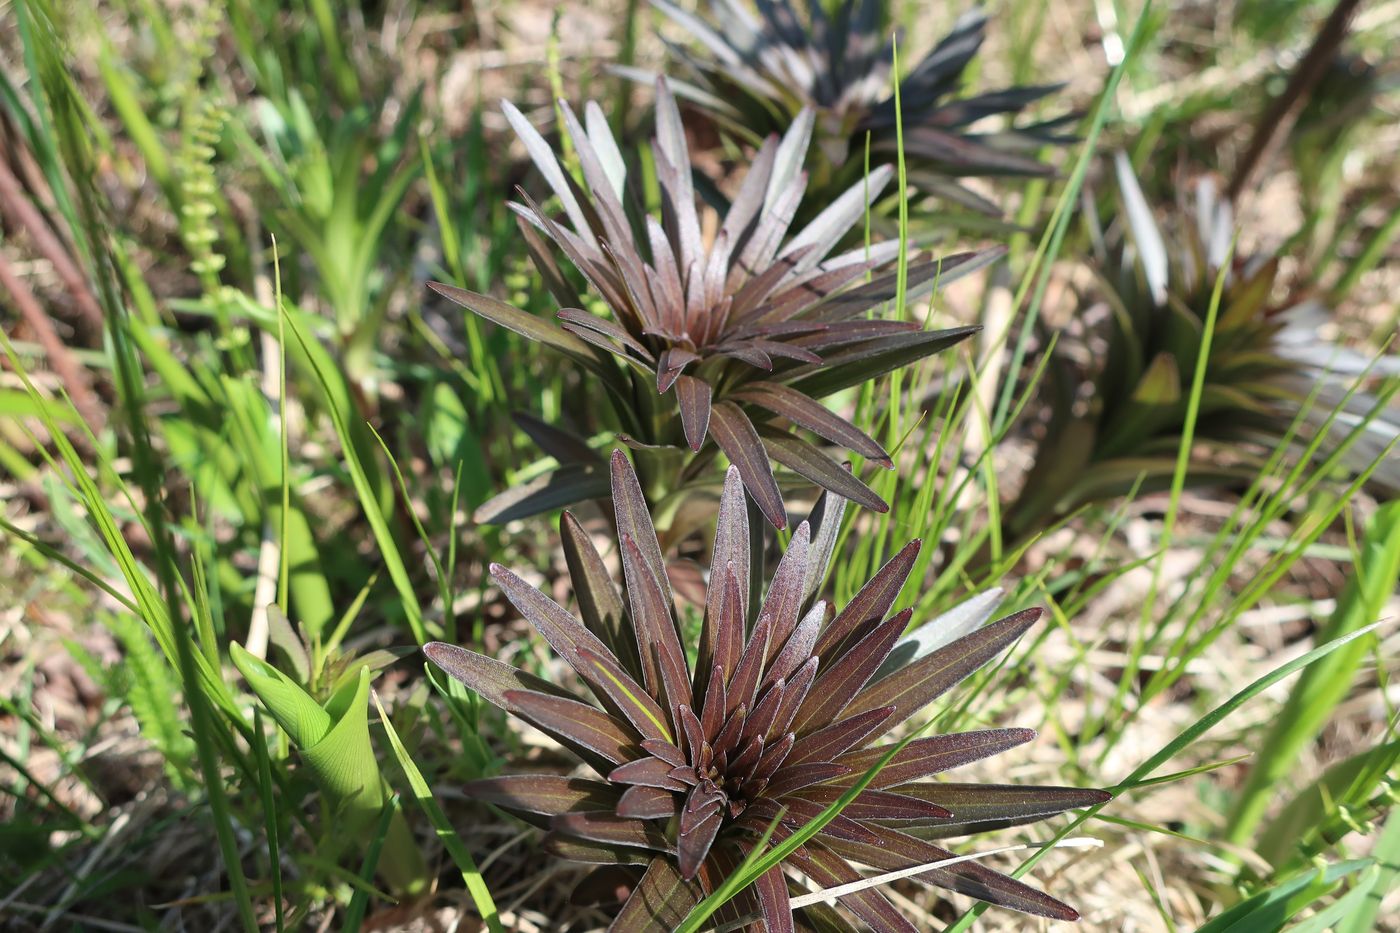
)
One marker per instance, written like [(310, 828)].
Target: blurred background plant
[(209, 441), (753, 71)]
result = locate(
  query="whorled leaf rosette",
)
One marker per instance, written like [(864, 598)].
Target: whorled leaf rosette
[(781, 711), (731, 337)]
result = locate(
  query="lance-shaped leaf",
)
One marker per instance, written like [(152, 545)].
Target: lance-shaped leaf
[(545, 794), (895, 850), (735, 435), (934, 754), (986, 807), (920, 683)]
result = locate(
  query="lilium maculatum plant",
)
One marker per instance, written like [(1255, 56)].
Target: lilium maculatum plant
[(780, 711), (732, 337)]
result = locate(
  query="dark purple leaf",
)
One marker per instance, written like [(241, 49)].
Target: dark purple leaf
[(696, 833), (592, 853), (670, 365), (810, 414), (646, 772), (922, 276), (862, 362), (896, 850), (810, 463), (735, 435), (829, 870), (789, 779), (599, 668), (598, 601), (489, 678), (772, 891), (844, 332), (743, 686), (934, 754), (640, 802), (873, 804), (827, 742), (521, 322), (841, 680), (728, 739), (611, 829), (553, 490), (665, 751), (871, 603), (784, 599), (547, 794), (693, 396), (729, 574), (605, 327), (543, 261), (563, 446), (660, 902), (658, 642), (633, 518), (576, 723), (797, 812), (793, 695), (826, 527), (772, 758), (798, 648), (787, 351), (916, 685), (984, 807)]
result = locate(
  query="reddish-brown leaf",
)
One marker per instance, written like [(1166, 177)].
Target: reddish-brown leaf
[(646, 772), (641, 802), (810, 463), (812, 415), (693, 396), (660, 902), (896, 850), (578, 723), (489, 678), (873, 804), (796, 777), (736, 436), (872, 602), (658, 642), (829, 870), (611, 829), (772, 891), (934, 754), (983, 807), (599, 603), (784, 599), (830, 741), (633, 518), (847, 673), (916, 685), (547, 794)]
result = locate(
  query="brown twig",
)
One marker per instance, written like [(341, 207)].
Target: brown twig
[(24, 214), (1283, 111), (75, 378)]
